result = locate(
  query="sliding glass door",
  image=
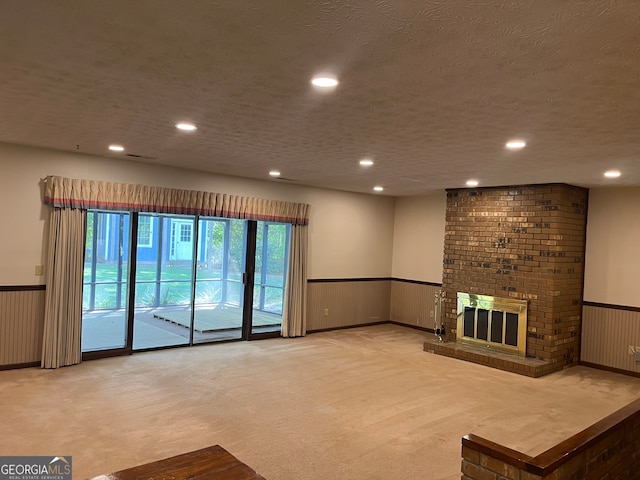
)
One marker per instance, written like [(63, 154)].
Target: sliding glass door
[(271, 260), (193, 280), (219, 290), (164, 285), (104, 295)]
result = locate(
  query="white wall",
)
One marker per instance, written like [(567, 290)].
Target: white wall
[(418, 239), (350, 234), (612, 262)]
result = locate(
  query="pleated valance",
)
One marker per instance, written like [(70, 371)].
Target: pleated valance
[(91, 194)]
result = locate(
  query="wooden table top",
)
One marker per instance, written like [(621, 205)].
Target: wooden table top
[(213, 463)]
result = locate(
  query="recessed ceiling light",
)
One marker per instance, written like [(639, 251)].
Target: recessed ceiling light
[(325, 81), (515, 144), (187, 127), (378, 188), (274, 173), (116, 148), (472, 183), (366, 162), (612, 173)]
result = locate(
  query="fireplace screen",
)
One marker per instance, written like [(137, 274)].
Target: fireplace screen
[(494, 322)]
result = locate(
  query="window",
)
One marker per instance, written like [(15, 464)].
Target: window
[(185, 233), (145, 232)]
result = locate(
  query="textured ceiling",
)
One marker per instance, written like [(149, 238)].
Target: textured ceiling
[(430, 90)]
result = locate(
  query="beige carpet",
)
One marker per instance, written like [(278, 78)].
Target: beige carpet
[(365, 403)]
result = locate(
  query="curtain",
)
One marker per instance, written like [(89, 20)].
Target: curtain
[(90, 194), (294, 317), (63, 303)]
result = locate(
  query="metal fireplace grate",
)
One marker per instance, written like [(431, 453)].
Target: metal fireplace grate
[(494, 322)]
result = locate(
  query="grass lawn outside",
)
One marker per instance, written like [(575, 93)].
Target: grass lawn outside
[(174, 287)]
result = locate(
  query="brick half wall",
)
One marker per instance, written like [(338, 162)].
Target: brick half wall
[(608, 449)]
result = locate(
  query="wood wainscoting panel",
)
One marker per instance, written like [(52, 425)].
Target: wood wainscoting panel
[(413, 303), (347, 303), (607, 334), (21, 326)]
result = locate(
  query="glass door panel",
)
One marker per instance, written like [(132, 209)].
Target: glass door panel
[(272, 251), (219, 274), (164, 286), (104, 293)]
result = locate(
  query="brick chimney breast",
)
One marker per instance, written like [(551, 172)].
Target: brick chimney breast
[(524, 242)]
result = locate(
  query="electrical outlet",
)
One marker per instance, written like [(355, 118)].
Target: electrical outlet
[(39, 270), (326, 312), (632, 350), (431, 313)]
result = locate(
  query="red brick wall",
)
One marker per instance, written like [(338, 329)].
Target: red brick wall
[(609, 449), (524, 242)]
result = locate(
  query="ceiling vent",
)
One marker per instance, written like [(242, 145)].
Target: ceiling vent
[(285, 179), (133, 155)]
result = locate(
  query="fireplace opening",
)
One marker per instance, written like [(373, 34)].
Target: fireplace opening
[(494, 322)]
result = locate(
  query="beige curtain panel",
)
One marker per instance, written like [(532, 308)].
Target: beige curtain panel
[(294, 316), (63, 304), (91, 194)]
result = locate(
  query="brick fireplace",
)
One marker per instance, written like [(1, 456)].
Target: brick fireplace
[(525, 243)]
